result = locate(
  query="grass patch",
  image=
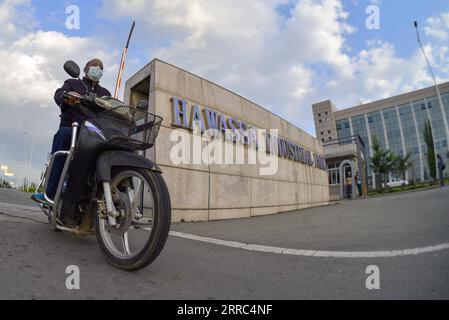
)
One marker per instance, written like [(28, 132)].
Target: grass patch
[(410, 187), (31, 190)]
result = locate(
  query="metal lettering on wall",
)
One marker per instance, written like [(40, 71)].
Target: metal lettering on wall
[(209, 119)]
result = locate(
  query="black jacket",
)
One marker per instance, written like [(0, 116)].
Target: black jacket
[(70, 114)]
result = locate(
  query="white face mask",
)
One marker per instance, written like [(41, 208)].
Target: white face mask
[(95, 73)]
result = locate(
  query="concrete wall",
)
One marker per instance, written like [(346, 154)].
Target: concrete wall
[(324, 117), (335, 193), (213, 192)]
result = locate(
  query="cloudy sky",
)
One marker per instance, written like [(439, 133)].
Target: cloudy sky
[(282, 54)]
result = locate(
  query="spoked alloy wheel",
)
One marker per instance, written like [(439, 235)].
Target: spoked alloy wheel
[(141, 197)]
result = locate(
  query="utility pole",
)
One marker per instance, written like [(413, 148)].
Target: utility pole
[(30, 158), (440, 100)]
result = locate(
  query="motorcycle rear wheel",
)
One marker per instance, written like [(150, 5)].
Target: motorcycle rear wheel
[(158, 226)]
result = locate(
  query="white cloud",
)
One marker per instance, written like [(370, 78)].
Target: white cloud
[(247, 46), (285, 65), (31, 71), (284, 62), (438, 27), (34, 62), (16, 16), (380, 73)]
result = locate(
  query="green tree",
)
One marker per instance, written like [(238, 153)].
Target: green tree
[(383, 162), (389, 165), (403, 164), (431, 157)]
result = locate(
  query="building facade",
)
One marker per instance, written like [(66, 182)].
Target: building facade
[(398, 123), (202, 191), (343, 159)]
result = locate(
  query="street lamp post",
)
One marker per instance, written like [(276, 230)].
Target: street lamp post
[(31, 149), (440, 100), (31, 152), (30, 158), (2, 178)]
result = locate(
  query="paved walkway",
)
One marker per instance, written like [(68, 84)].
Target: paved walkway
[(198, 261)]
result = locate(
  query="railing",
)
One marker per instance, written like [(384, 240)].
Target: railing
[(340, 149), (349, 140)]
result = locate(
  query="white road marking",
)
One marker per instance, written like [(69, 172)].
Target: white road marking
[(18, 210), (313, 253)]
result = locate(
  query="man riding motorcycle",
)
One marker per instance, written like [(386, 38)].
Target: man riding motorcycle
[(71, 113), (104, 185)]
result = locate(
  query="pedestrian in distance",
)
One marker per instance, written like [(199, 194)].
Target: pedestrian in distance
[(359, 184), (349, 185)]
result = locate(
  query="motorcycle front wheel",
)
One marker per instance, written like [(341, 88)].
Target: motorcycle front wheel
[(142, 198)]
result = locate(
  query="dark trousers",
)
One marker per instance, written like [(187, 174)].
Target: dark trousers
[(359, 189), (61, 142), (349, 191), (441, 177)]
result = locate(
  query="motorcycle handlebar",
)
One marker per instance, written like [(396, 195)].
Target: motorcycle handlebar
[(71, 95), (86, 100), (87, 97)]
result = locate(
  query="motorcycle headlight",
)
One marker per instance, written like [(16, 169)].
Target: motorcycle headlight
[(93, 128)]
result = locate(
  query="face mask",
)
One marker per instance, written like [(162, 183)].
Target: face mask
[(95, 73)]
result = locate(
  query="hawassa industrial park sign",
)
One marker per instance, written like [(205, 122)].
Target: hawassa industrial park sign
[(210, 121)]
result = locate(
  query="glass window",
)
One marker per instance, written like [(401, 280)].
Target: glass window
[(422, 117), (393, 131), (410, 139), (334, 177), (445, 98), (376, 128), (359, 126), (438, 125), (344, 130)]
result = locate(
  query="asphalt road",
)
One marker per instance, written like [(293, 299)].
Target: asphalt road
[(33, 259)]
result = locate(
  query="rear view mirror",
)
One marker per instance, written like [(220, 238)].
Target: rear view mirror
[(72, 69)]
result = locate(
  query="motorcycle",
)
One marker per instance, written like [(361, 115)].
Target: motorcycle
[(107, 185)]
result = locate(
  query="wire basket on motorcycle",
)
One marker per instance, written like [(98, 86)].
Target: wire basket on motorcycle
[(130, 128)]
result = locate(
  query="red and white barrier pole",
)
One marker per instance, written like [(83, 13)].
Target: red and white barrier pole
[(122, 63)]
